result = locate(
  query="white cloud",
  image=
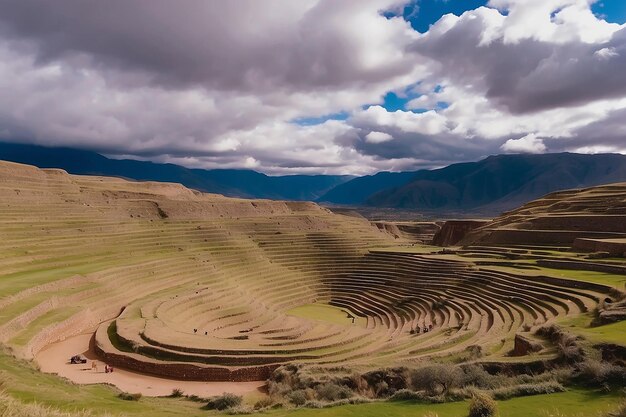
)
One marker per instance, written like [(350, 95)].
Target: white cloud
[(606, 53), (527, 144), (428, 123), (378, 137)]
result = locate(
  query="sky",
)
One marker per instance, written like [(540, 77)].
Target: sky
[(314, 86)]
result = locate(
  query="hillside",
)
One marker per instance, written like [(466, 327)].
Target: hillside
[(559, 219), (179, 289), (488, 187), (229, 182)]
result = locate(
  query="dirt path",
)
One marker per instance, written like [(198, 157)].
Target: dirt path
[(55, 359)]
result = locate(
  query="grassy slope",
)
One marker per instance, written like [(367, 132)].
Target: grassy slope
[(26, 384), (610, 333), (574, 403)]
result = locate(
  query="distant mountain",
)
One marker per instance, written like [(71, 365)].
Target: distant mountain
[(358, 190), (488, 187), (230, 182), (500, 182)]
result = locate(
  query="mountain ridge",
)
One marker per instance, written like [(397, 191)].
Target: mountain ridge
[(501, 182), (486, 187), (229, 182)]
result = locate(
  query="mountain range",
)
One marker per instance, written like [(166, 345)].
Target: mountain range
[(229, 182), (489, 186)]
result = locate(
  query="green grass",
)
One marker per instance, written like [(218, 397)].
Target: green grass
[(15, 309), (609, 333), (16, 282), (326, 313), (573, 403), (51, 317), (613, 280), (26, 384)]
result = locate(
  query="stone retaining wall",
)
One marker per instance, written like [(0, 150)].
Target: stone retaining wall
[(186, 371)]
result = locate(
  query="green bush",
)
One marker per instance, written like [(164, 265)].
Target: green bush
[(224, 402), (482, 405), (297, 397), (333, 392)]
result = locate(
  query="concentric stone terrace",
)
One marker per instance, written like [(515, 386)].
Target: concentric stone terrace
[(195, 286), (243, 327)]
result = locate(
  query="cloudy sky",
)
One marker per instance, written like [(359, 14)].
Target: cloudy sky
[(314, 86)]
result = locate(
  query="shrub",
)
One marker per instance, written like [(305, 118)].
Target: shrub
[(482, 405), (474, 351), (130, 397), (407, 395), (297, 398), (332, 392), (475, 375), (436, 379), (224, 402), (263, 403), (566, 344), (598, 373), (177, 393)]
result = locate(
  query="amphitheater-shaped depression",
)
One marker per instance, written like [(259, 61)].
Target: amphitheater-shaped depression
[(202, 287)]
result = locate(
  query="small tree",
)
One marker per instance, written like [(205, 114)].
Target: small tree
[(436, 379)]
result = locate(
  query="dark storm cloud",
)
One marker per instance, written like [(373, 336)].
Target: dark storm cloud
[(231, 45), (605, 135)]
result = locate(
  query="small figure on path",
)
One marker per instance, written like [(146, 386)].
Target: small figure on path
[(94, 366)]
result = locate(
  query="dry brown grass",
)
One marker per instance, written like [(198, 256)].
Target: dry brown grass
[(10, 407)]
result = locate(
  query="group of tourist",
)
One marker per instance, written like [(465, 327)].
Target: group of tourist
[(94, 367)]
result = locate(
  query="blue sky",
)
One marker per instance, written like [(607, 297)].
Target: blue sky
[(423, 13), (613, 11)]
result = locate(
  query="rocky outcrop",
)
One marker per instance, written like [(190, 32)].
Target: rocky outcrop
[(612, 313), (453, 231), (524, 346)]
